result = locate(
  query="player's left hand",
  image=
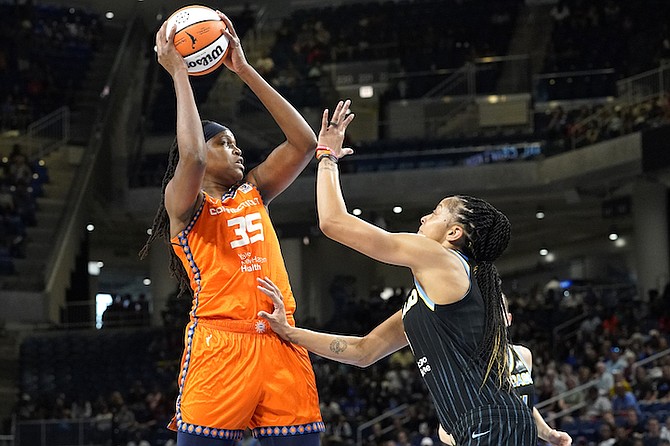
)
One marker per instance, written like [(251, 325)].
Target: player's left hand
[(235, 59), (332, 130), (277, 319)]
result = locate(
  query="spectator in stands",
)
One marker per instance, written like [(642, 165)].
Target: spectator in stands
[(623, 437), (623, 400), (597, 404), (571, 400), (616, 361), (652, 436), (81, 408), (643, 387), (606, 435), (634, 422), (604, 377), (20, 173), (665, 430), (663, 384)]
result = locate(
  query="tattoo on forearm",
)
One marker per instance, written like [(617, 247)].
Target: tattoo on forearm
[(338, 346), (328, 165)]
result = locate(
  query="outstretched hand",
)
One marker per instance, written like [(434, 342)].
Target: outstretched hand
[(332, 130), (277, 319)]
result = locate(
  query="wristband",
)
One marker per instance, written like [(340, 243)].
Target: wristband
[(321, 149), (325, 151), (326, 154)]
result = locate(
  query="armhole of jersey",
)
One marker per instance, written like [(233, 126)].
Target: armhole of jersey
[(468, 271), (424, 297), (530, 370), (184, 232), (464, 261), (427, 300)]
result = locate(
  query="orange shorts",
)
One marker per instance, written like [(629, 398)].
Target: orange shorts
[(238, 374)]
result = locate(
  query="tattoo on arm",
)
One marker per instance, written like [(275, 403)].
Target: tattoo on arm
[(338, 345), (327, 165)]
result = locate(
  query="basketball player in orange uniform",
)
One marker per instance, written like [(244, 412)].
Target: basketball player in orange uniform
[(235, 372)]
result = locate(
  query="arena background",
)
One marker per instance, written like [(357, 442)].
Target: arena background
[(526, 104)]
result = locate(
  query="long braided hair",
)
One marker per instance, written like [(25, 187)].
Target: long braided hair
[(160, 228), (487, 235)]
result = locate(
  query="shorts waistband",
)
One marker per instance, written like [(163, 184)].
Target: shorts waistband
[(254, 326), (493, 412)]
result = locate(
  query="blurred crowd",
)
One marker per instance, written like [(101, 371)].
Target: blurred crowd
[(608, 355), (46, 49), (21, 183)]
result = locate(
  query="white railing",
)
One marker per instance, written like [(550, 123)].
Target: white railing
[(49, 132), (84, 431), (586, 386), (388, 414), (644, 86)]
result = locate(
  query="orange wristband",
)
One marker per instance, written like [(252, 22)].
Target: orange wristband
[(325, 151)]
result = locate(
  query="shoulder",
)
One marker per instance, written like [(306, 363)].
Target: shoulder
[(525, 354)]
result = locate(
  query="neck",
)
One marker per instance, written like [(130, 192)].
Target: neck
[(216, 189)]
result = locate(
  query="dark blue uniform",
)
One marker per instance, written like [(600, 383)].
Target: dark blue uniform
[(444, 339)]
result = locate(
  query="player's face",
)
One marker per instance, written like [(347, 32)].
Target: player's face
[(224, 158), (436, 224)]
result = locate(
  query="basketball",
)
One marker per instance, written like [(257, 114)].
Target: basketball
[(199, 38)]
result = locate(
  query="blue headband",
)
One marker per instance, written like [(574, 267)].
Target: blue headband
[(211, 129)]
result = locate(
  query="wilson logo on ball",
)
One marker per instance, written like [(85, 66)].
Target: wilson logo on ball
[(214, 57)]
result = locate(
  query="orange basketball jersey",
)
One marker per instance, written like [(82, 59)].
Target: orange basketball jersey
[(228, 244)]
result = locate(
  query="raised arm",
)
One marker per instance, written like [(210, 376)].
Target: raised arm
[(402, 249), (385, 339), (182, 191), (288, 159)]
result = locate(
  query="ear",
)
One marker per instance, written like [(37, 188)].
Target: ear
[(455, 233)]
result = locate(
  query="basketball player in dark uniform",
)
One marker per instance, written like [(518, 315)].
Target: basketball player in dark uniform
[(521, 362), (453, 317), (521, 368)]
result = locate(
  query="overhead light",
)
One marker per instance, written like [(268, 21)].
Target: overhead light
[(357, 212), (305, 240), (146, 281), (539, 213), (397, 209), (386, 293), (544, 251), (366, 91), (90, 227), (94, 268)]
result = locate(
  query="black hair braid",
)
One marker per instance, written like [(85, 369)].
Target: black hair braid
[(488, 233), (160, 228)]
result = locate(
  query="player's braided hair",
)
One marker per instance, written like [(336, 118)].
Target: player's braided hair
[(161, 224), (160, 228), (487, 235)]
